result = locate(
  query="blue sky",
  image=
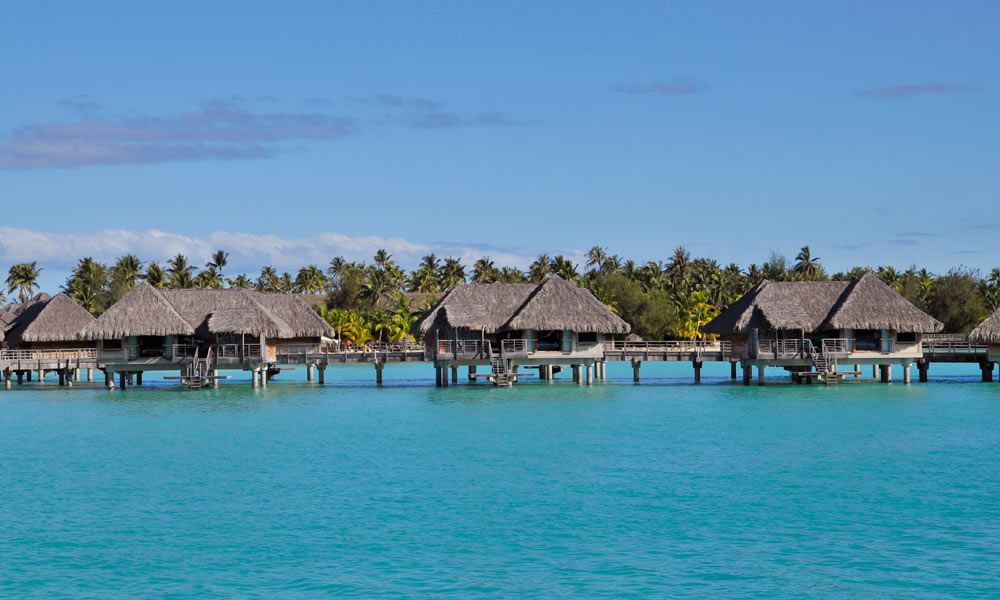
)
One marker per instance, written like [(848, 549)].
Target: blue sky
[(289, 133)]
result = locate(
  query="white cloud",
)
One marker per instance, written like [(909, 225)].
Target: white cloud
[(247, 252)]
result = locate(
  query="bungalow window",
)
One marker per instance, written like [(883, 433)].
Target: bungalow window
[(586, 337), (906, 338), (112, 345), (550, 340)]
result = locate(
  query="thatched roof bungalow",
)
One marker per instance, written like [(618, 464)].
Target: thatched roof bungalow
[(151, 320), (44, 322), (551, 316), (988, 332), (863, 315)]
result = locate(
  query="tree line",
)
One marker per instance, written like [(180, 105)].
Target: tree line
[(660, 299)]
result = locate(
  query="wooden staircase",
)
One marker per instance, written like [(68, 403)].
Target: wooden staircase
[(828, 367), (199, 372)]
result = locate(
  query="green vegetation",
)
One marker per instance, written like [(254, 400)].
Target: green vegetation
[(672, 299)]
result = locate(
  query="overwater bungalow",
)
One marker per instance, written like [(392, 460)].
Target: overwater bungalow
[(810, 327), (988, 332), (152, 329), (41, 335), (506, 326)]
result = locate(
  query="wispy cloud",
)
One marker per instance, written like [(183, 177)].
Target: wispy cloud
[(907, 90), (248, 252), (903, 242), (217, 130), (424, 113), (82, 102), (675, 87), (965, 252)]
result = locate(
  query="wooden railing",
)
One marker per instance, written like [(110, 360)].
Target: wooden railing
[(837, 346), (671, 346), (781, 348), (951, 344), (251, 350), (184, 350), (514, 346), (57, 354), (473, 348)]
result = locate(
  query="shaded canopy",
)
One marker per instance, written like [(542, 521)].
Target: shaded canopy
[(145, 310), (866, 303), (492, 307)]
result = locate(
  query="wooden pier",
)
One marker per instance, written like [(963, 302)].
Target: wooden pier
[(503, 365)]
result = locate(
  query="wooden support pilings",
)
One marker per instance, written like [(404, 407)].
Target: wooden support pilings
[(322, 374), (437, 375), (90, 374), (590, 374), (906, 373), (472, 372), (747, 374), (454, 375), (697, 371), (309, 372), (636, 365), (922, 371), (760, 374), (987, 369), (378, 372)]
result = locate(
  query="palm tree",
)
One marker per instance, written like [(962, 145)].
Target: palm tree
[(383, 259), (484, 271), (155, 275), (23, 277), (337, 267), (678, 269), (268, 280), (807, 266), (241, 282), (210, 278), (220, 258), (540, 270), (510, 274), (564, 268), (310, 280), (88, 285), (125, 274), (597, 257), (378, 284), (452, 272), (180, 272)]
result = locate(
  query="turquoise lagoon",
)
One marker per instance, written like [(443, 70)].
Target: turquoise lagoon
[(661, 490)]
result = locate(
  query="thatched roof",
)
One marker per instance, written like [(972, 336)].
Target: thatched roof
[(823, 305), (45, 319), (145, 310), (248, 320), (987, 332), (493, 307), (560, 305)]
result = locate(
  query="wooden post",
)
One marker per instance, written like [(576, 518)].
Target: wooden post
[(732, 370), (109, 379), (6, 380), (263, 373), (697, 371), (874, 371), (123, 380), (454, 374), (636, 365), (922, 371), (28, 376), (309, 372), (987, 368), (437, 376), (41, 375), (760, 374), (378, 373), (747, 374), (76, 375), (906, 373), (138, 378), (884, 371), (90, 374), (472, 372), (253, 378), (20, 377), (322, 374), (215, 378), (444, 376), (590, 374), (857, 371), (62, 377)]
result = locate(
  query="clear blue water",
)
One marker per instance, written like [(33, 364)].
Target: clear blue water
[(662, 490)]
